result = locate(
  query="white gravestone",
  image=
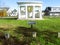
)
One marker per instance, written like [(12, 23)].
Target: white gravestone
[(58, 34), (34, 34), (7, 36)]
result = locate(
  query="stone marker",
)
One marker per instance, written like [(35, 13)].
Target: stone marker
[(58, 34), (34, 34), (7, 36)]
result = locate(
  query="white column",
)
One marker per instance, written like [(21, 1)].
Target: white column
[(26, 13), (33, 12), (40, 12), (19, 15)]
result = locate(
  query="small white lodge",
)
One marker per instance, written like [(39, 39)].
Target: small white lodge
[(55, 11), (30, 10)]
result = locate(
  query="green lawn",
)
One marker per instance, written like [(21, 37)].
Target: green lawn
[(48, 24)]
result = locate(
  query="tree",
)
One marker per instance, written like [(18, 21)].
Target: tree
[(14, 10), (47, 11)]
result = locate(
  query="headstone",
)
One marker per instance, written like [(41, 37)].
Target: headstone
[(58, 34), (34, 34), (7, 36)]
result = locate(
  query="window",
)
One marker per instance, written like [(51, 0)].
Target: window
[(37, 12), (23, 10), (54, 9), (30, 11), (30, 8)]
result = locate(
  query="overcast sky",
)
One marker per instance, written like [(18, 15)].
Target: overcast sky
[(13, 3)]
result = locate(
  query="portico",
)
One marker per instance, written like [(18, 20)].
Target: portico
[(30, 10)]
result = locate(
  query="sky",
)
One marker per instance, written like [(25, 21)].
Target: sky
[(13, 3)]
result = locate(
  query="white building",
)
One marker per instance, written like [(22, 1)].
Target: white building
[(30, 10), (4, 11), (12, 13), (55, 11)]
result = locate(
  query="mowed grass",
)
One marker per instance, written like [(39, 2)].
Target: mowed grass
[(12, 23), (52, 24)]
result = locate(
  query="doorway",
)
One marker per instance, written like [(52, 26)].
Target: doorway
[(30, 11)]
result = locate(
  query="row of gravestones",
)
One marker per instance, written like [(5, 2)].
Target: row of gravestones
[(34, 34), (7, 38)]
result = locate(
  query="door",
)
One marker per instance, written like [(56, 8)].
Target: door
[(30, 11)]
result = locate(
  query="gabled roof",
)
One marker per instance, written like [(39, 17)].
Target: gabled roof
[(29, 2), (4, 8)]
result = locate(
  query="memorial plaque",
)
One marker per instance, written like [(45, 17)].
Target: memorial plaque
[(31, 22)]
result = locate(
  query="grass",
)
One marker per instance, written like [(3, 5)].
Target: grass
[(48, 24), (52, 25), (12, 23)]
